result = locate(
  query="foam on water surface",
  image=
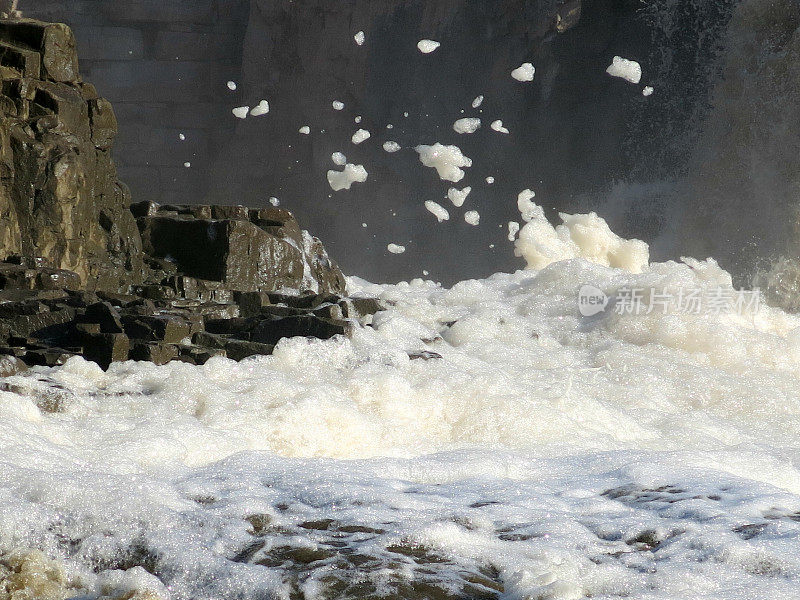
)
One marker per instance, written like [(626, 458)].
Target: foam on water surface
[(485, 440)]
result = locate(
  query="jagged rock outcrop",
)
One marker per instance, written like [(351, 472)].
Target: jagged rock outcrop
[(60, 200), (82, 271)]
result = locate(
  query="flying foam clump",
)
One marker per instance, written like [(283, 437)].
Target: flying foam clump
[(342, 180), (629, 70), (447, 160)]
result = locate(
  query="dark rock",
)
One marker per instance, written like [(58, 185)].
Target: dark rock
[(154, 352), (169, 329), (281, 310), (251, 303), (47, 357), (200, 356), (329, 311), (83, 270), (209, 340), (54, 41), (424, 355), (240, 327), (272, 331), (105, 315), (105, 348), (240, 349), (39, 324)]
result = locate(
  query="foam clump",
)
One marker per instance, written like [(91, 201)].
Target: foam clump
[(498, 126), (629, 70), (427, 46), (240, 112), (437, 210), (524, 73), (447, 160), (391, 146), (579, 236), (359, 38), (360, 136), (342, 180), (472, 217), (396, 248), (262, 108), (458, 197), (467, 125)]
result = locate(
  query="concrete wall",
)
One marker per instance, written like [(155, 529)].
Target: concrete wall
[(164, 64)]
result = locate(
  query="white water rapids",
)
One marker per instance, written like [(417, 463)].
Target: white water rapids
[(525, 451)]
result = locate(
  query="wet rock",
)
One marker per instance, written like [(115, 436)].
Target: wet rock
[(54, 42), (355, 308), (272, 331), (240, 349), (11, 365), (105, 348), (85, 271), (424, 355), (105, 315), (155, 352)]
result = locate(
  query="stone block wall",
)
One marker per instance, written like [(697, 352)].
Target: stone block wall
[(164, 65)]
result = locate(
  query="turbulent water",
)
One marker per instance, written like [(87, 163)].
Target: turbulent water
[(532, 435), (483, 441)]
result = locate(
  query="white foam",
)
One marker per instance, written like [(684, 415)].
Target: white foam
[(187, 164), (427, 46), (360, 136), (498, 126), (524, 72), (240, 112), (477, 102), (580, 236), (525, 205), (342, 180), (261, 109), (437, 210), (396, 248), (337, 105), (232, 85), (391, 146), (490, 180), (359, 38), (339, 159), (305, 130), (274, 201), (467, 125), (457, 197), (629, 70), (447, 160), (513, 230), (472, 217), (647, 91), (181, 137)]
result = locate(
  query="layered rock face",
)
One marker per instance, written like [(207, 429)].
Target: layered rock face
[(82, 271), (60, 199)]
